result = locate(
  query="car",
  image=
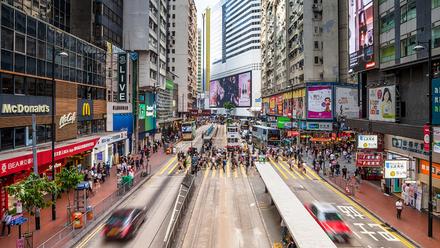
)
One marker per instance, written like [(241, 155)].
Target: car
[(124, 223), (330, 220)]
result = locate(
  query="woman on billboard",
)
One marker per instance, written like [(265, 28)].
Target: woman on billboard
[(386, 105)]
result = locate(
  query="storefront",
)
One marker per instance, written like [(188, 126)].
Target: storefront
[(424, 183), (15, 169), (370, 165), (110, 147)]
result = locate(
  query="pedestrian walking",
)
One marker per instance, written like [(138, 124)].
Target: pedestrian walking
[(6, 222), (399, 208), (344, 172)]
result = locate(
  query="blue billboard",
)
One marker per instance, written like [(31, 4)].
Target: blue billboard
[(123, 122)]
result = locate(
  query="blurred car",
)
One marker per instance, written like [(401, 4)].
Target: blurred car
[(124, 223), (330, 220)]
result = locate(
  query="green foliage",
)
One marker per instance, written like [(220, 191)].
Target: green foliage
[(31, 192), (229, 106), (68, 178)]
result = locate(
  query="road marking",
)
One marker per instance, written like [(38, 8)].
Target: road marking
[(228, 169), (296, 172), (90, 236), (172, 168), (243, 171), (167, 165), (287, 169), (213, 173), (221, 172), (236, 172), (278, 168), (367, 214), (207, 172), (357, 235)]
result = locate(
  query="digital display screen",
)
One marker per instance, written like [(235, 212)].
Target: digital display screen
[(236, 89)]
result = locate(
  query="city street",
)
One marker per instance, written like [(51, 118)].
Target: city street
[(225, 212), (367, 230)]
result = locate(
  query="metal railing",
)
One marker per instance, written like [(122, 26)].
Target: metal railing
[(183, 198), (69, 232)]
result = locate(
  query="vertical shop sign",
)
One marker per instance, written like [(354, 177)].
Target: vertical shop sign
[(426, 137), (436, 101), (436, 142), (122, 77)]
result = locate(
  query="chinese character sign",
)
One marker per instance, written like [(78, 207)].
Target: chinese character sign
[(436, 101), (396, 168)]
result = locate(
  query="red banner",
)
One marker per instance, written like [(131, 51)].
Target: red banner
[(292, 133), (369, 159), (25, 162), (426, 137)]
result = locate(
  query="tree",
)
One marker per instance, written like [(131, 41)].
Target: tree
[(67, 180), (31, 192), (229, 106)]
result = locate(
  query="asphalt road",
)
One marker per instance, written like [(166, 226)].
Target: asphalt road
[(367, 230), (158, 194), (225, 212)]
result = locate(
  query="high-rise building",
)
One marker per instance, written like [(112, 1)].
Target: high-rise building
[(199, 69), (235, 57), (145, 32), (206, 56), (49, 72), (98, 22), (183, 52)]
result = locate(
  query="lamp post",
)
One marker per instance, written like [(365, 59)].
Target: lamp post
[(419, 48), (54, 54)]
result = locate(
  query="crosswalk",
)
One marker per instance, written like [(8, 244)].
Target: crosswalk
[(172, 168), (284, 170)]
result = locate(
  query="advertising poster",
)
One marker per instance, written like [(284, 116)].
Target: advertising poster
[(436, 101), (396, 168), (142, 111), (298, 108), (361, 34), (150, 112), (367, 141), (347, 102), (382, 103), (272, 105), (287, 106), (436, 136), (236, 89), (279, 105), (319, 102)]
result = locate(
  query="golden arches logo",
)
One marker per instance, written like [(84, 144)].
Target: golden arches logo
[(86, 109)]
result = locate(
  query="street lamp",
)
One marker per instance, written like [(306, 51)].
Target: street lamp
[(418, 48), (62, 54)]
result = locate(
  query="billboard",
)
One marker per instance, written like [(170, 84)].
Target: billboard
[(367, 141), (436, 101), (382, 103), (361, 34), (347, 102), (319, 102), (396, 168), (236, 89), (150, 111)]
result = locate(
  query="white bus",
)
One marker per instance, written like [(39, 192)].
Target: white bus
[(265, 136), (232, 136)]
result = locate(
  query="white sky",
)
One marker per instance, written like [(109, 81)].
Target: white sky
[(201, 6)]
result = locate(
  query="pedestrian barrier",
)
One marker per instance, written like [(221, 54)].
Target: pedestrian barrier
[(183, 198)]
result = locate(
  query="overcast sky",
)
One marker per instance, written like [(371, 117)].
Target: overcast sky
[(201, 6)]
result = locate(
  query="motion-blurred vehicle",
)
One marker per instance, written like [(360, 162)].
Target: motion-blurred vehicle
[(330, 220), (124, 223)]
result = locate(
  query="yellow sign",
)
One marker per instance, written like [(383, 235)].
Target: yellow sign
[(277, 245), (86, 109)]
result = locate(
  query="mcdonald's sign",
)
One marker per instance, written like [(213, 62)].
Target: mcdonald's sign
[(85, 109)]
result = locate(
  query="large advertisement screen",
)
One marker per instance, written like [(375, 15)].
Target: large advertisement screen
[(347, 102), (236, 89), (150, 112), (361, 34), (382, 103), (319, 102)]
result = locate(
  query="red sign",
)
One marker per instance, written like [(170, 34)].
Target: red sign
[(280, 105), (369, 159), (292, 133), (424, 168), (25, 162), (426, 137)]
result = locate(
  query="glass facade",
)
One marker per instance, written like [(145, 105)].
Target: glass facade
[(27, 46)]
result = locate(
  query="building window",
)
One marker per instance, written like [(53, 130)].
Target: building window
[(20, 43), (20, 63), (408, 11), (19, 85), (7, 16), (31, 86), (7, 84), (19, 137), (436, 37), (387, 22), (407, 45), (7, 39), (316, 60), (316, 44), (387, 53), (20, 22), (6, 59), (6, 138)]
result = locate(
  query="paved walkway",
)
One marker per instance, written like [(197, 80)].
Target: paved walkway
[(50, 228), (413, 224)]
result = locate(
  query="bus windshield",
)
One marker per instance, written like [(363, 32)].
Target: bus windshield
[(187, 127), (273, 135)]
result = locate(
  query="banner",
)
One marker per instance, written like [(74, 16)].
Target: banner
[(150, 111), (122, 77), (347, 102), (382, 103), (426, 137), (319, 102), (272, 105), (396, 168), (436, 101), (279, 105)]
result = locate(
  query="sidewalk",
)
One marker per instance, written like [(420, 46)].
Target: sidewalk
[(414, 224), (50, 228)]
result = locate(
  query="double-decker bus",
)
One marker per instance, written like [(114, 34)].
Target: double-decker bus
[(265, 136), (188, 130), (232, 136)]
